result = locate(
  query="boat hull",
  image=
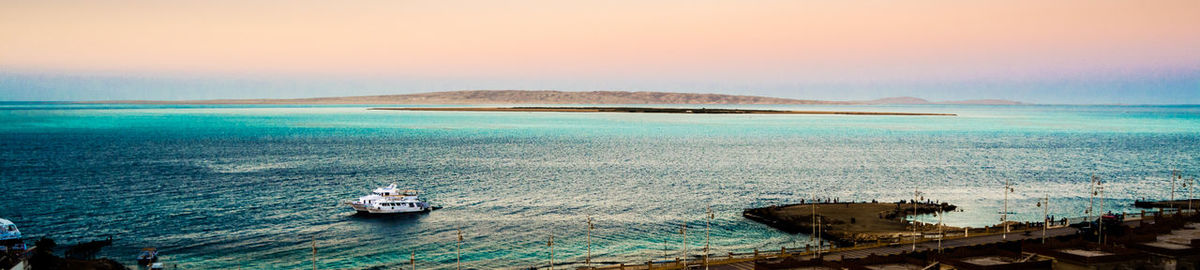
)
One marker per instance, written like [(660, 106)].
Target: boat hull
[(372, 209), (396, 210)]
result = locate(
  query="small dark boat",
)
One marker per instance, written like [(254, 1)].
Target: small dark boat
[(147, 257)]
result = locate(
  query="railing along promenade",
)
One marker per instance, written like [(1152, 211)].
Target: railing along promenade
[(1026, 228)]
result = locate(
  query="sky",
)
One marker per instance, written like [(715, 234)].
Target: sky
[(1055, 52)]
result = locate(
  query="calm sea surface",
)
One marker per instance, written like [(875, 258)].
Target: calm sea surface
[(255, 186)]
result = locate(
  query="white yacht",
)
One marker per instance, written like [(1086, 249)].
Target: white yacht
[(390, 200)]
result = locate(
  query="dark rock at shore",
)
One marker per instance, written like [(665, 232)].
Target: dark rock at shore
[(43, 258), (845, 222)]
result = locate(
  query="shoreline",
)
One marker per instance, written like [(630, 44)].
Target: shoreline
[(646, 110)]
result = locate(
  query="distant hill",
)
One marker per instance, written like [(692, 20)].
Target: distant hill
[(897, 100), (553, 97), (914, 100)]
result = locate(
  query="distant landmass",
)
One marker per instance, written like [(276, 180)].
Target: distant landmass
[(913, 100), (558, 97)]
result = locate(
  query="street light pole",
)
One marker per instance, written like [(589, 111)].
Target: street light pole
[(916, 193), (458, 252), (551, 245), (707, 235), (1045, 216), (941, 233), (819, 237), (1191, 182), (589, 241), (1101, 226), (1176, 175), (683, 231), (1091, 199), (1004, 216), (815, 237)]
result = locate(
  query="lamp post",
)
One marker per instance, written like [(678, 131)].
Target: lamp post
[(707, 234), (941, 233), (1004, 216), (1191, 182), (914, 218), (819, 245), (665, 249), (1101, 227), (683, 231), (1045, 204), (550, 244), (815, 236), (1091, 199), (458, 251), (589, 241), (1174, 175)]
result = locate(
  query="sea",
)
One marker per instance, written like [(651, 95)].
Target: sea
[(261, 186)]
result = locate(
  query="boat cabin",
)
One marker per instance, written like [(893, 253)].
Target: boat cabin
[(398, 204), (391, 190), (8, 230)]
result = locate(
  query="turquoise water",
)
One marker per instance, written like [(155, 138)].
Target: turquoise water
[(255, 186)]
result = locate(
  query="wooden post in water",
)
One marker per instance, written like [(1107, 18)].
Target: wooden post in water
[(314, 253)]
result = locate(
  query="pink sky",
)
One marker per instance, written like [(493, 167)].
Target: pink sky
[(734, 41)]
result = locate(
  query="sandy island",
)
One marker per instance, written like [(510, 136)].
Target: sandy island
[(647, 110)]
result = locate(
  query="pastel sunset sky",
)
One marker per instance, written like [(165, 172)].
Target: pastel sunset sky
[(1069, 51)]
